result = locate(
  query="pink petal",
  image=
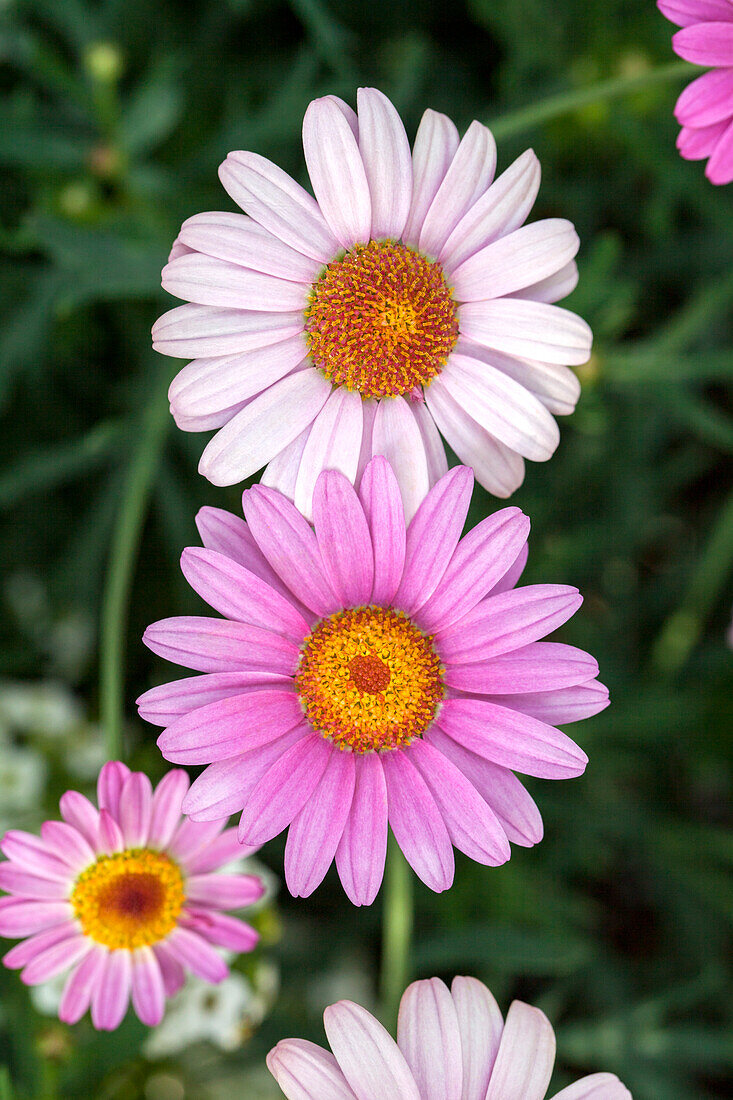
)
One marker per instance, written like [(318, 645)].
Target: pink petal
[(511, 739), (67, 844), (231, 726), (432, 537), (481, 558), (194, 331), (707, 100), (498, 787), (315, 832), (337, 172), (80, 985), (697, 144), (540, 666), (218, 852), (435, 146), (495, 466), (217, 645), (109, 785), (513, 574), (209, 282), (238, 594), (382, 503), (171, 968), (148, 991), (225, 786), (111, 838), (165, 814), (278, 203), (706, 43), (480, 1024), (16, 880), (30, 948), (720, 165), (79, 812), (503, 407), (217, 891), (136, 804), (559, 707), (334, 443), (240, 240), (684, 12), (284, 789), (417, 823), (197, 955), (470, 173), (515, 261), (192, 838), (429, 1038), (526, 1056), (396, 435), (209, 386), (164, 704), (601, 1086), (30, 851), (508, 621), (343, 539), (367, 1055), (19, 917), (500, 210), (222, 930), (472, 824), (304, 1071), (264, 427), (534, 330), (385, 153), (290, 546), (362, 850), (111, 993)]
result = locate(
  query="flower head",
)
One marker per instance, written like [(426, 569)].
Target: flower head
[(705, 108), (451, 1045), (407, 300), (124, 897), (366, 672)]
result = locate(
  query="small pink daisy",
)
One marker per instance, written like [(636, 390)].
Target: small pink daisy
[(705, 108), (124, 897), (366, 673), (451, 1045), (405, 300)]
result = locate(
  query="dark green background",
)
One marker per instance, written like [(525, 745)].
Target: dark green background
[(617, 924)]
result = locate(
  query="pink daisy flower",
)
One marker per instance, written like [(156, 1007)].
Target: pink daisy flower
[(368, 673), (124, 897), (406, 300), (451, 1045), (705, 108)]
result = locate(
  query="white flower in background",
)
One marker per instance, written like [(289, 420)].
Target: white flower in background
[(22, 782), (44, 708)]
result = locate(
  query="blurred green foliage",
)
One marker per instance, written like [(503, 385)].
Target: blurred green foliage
[(115, 116)]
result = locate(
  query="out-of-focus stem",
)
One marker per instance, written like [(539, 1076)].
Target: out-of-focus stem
[(397, 921)]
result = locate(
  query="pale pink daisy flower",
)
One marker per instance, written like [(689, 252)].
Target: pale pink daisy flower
[(705, 108), (368, 673), (406, 300), (451, 1045), (125, 897)]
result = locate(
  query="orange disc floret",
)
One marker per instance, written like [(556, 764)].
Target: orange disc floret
[(129, 899), (381, 320), (369, 679)]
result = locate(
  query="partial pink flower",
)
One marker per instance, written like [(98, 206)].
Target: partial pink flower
[(368, 673), (407, 299), (451, 1045), (705, 108), (126, 897)]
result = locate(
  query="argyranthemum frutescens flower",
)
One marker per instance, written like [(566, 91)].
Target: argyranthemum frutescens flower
[(366, 673), (126, 897), (451, 1045), (705, 108), (408, 294)]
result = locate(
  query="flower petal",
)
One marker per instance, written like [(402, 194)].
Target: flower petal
[(337, 172), (559, 707), (56, 959), (194, 331), (209, 282), (109, 785), (396, 435), (80, 985), (526, 1056), (684, 12), (166, 808), (231, 726), (367, 1055), (171, 968), (516, 261), (31, 852), (79, 812), (136, 803), (382, 503), (554, 287), (385, 152), (231, 933), (362, 849), (480, 1024), (539, 666), (315, 832), (334, 443), (197, 955), (238, 239), (218, 891), (217, 645), (435, 146), (164, 704), (720, 165), (470, 173), (304, 1071), (148, 992), (19, 917), (706, 43), (600, 1086), (281, 472), (417, 823), (111, 993), (284, 789), (534, 330), (429, 1037), (343, 539)]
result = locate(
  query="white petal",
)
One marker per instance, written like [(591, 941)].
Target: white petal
[(557, 387), (600, 1086), (306, 1072), (533, 330), (480, 1023), (434, 449), (429, 1037), (192, 331), (240, 240), (368, 1056), (435, 146), (523, 257), (334, 443), (526, 1056), (209, 282), (396, 436), (470, 173), (554, 287), (262, 429), (385, 152), (337, 172), (281, 472)]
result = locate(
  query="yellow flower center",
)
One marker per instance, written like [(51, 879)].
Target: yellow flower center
[(381, 320), (129, 899), (369, 679)]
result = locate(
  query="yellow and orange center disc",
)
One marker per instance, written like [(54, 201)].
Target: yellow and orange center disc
[(381, 320), (369, 679), (129, 899)]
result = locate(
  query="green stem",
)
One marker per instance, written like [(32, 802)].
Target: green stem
[(528, 117), (123, 556), (397, 920)]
